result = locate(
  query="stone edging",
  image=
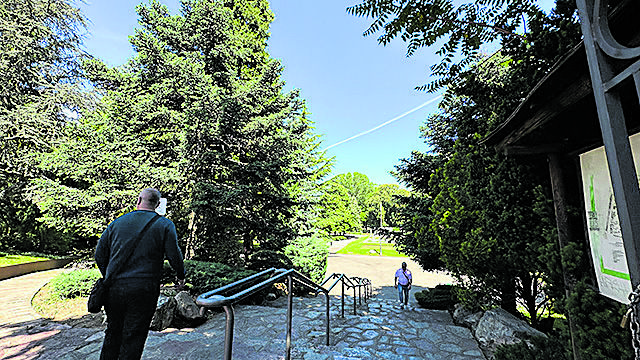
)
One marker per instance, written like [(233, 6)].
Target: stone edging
[(7, 272)]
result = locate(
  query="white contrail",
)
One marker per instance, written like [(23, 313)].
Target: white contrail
[(384, 123)]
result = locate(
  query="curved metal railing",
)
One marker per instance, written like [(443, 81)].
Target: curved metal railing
[(215, 298)]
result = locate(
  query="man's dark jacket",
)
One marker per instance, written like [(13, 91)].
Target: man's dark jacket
[(147, 258)]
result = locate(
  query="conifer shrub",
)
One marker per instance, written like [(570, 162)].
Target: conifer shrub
[(266, 259), (309, 255), (205, 276), (536, 348)]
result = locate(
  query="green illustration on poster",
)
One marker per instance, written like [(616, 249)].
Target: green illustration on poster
[(605, 236)]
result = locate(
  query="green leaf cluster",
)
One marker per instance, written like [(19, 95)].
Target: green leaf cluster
[(206, 276), (457, 28), (488, 218), (482, 216)]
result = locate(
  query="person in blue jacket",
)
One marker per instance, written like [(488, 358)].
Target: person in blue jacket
[(134, 292)]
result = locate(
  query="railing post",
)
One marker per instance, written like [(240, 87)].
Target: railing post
[(342, 298), (228, 334), (360, 294), (328, 316), (355, 301), (289, 314)]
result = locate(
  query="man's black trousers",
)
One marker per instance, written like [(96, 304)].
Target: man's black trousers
[(130, 308)]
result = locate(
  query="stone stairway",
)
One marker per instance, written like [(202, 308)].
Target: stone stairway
[(381, 330)]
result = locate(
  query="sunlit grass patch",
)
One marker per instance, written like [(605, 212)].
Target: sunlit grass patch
[(370, 246), (8, 260)]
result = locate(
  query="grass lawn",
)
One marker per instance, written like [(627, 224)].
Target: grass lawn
[(9, 260), (364, 245)]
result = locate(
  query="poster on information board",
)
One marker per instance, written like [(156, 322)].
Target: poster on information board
[(605, 236)]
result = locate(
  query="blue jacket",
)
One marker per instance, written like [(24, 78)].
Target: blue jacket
[(148, 257)]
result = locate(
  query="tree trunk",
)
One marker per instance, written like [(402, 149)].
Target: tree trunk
[(529, 293), (247, 245), (508, 296)]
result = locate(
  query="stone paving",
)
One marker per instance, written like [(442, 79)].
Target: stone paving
[(381, 330)]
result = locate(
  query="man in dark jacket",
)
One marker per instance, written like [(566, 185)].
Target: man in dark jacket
[(134, 292)]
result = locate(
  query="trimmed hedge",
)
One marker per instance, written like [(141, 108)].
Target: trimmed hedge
[(439, 298)]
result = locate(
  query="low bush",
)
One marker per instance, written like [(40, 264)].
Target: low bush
[(206, 276), (537, 348), (309, 255), (73, 284), (439, 298), (266, 259)]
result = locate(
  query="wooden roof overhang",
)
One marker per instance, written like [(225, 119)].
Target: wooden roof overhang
[(559, 114)]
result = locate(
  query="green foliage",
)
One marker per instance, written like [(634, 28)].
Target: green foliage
[(309, 255), (536, 348), (73, 284), (597, 320), (39, 62), (350, 202), (206, 276), (201, 114), (459, 28), (482, 216), (339, 212), (383, 206), (364, 245), (442, 297), (265, 259)]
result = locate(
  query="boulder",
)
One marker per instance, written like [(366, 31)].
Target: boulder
[(497, 327), (463, 317), (187, 312), (164, 314)]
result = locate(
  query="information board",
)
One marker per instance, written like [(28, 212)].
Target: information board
[(605, 237)]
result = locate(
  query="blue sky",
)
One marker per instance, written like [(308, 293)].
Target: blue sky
[(351, 84)]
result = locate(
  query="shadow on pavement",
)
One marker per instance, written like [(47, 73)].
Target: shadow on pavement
[(391, 293)]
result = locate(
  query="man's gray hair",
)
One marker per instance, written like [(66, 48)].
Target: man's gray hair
[(150, 196)]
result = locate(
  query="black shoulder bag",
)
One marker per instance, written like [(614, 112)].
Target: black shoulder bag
[(99, 293), (409, 281)]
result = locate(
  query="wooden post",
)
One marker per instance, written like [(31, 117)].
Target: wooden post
[(564, 231)]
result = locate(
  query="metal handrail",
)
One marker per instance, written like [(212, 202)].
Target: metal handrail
[(349, 283), (214, 298)]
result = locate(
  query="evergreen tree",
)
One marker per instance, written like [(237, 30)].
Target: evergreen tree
[(201, 114), (39, 62)]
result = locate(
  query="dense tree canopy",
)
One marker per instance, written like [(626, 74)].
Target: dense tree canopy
[(350, 203), (40, 66), (478, 214), (485, 217)]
